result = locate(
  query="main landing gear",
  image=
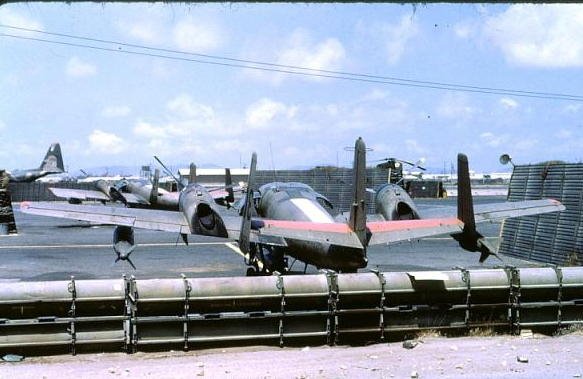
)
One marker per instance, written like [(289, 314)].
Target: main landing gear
[(264, 260)]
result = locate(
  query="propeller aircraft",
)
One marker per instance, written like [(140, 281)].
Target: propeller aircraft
[(281, 220), (51, 164)]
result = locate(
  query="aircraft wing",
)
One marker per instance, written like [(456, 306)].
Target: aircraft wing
[(500, 211), (167, 221), (69, 193), (383, 232)]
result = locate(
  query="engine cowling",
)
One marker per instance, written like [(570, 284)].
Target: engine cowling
[(394, 203), (195, 204)]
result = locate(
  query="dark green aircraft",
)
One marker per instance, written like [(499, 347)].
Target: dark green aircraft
[(51, 164)]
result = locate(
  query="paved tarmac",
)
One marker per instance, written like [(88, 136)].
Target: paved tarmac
[(54, 249)]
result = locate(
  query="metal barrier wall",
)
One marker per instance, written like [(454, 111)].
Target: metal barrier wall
[(130, 314), (553, 238), (39, 191)]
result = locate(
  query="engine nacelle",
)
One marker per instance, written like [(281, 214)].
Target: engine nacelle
[(196, 205), (394, 203)]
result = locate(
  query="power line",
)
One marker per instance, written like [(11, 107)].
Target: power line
[(344, 73), (280, 68)]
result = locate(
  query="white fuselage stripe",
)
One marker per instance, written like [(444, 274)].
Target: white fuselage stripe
[(313, 212)]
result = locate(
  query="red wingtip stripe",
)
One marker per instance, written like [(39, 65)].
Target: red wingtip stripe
[(377, 226)]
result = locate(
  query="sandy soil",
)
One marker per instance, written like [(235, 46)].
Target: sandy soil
[(531, 356)]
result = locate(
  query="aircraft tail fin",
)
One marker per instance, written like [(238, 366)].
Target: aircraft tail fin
[(7, 222), (357, 220), (465, 203), (192, 173), (229, 187), (469, 238), (247, 210), (155, 187), (53, 160)]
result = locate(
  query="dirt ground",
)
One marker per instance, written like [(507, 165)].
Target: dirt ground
[(527, 356)]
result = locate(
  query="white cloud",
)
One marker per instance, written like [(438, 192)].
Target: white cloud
[(147, 130), (106, 143), (197, 35), (10, 17), (376, 94), (539, 35), (456, 106), (414, 147), (185, 107), (465, 29), (147, 26), (77, 68), (572, 108), (398, 37), (2, 125), (492, 140), (394, 38), (508, 103), (526, 144), (116, 111), (145, 32), (564, 134), (190, 129), (185, 129), (265, 112), (302, 51)]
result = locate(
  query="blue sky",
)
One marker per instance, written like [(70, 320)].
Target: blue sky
[(110, 108)]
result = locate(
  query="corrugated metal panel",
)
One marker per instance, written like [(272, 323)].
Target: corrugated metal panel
[(38, 191), (555, 238), (332, 182)]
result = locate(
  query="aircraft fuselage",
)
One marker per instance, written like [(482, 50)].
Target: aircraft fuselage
[(27, 176), (299, 202)]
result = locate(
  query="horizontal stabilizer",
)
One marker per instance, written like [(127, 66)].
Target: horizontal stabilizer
[(331, 233)]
